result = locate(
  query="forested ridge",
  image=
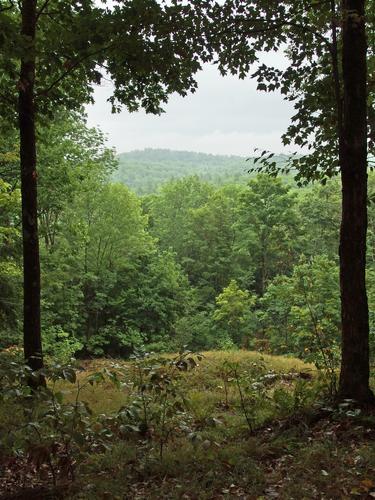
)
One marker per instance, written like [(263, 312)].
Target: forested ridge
[(145, 171)]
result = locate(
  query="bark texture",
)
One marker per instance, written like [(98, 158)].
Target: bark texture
[(354, 376), (31, 265)]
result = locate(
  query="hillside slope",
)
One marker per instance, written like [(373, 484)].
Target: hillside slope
[(144, 171)]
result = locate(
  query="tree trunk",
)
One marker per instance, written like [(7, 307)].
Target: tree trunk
[(354, 376), (31, 265)]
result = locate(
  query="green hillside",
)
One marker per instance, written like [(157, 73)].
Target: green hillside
[(144, 171)]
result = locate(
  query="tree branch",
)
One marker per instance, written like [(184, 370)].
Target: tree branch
[(42, 9), (70, 70), (283, 24)]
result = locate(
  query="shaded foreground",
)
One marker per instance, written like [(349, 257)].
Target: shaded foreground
[(238, 425)]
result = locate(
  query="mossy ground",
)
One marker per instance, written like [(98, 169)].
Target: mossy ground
[(204, 384)]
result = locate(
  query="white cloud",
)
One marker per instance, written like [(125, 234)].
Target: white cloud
[(226, 115)]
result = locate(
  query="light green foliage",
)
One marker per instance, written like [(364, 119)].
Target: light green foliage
[(9, 203), (120, 271), (267, 227), (73, 161), (105, 282), (234, 314), (60, 346), (9, 211), (317, 284), (10, 269), (146, 171), (170, 214), (10, 302), (107, 229), (301, 313), (70, 253), (211, 237), (320, 212), (10, 241), (125, 291), (197, 223)]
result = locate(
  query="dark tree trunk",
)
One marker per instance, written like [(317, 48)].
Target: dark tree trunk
[(354, 376), (31, 265)]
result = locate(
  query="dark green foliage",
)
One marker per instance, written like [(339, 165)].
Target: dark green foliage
[(10, 250), (250, 265), (268, 229), (140, 307), (46, 430)]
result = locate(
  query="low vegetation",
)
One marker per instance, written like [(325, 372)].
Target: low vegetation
[(211, 425)]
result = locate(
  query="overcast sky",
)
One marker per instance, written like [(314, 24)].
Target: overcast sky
[(225, 116)]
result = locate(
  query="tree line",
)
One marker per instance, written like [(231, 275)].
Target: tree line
[(197, 265), (146, 170)]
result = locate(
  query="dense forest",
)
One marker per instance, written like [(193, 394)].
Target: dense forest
[(193, 264), (145, 171), (175, 324)]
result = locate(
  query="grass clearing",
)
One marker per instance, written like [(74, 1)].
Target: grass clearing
[(207, 450), (205, 382)]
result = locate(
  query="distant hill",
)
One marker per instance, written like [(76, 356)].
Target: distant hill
[(144, 171)]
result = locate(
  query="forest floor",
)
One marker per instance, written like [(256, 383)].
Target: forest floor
[(276, 440)]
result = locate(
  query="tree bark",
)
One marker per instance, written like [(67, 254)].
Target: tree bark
[(354, 376), (31, 264)]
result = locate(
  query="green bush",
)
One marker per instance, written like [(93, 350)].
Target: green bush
[(113, 341), (59, 345)]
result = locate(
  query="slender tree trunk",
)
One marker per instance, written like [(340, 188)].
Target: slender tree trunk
[(31, 265), (354, 376)]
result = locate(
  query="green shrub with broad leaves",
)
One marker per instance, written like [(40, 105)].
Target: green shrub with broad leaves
[(54, 434), (45, 430)]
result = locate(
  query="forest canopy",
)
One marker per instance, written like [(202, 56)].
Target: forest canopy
[(145, 171), (251, 263)]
